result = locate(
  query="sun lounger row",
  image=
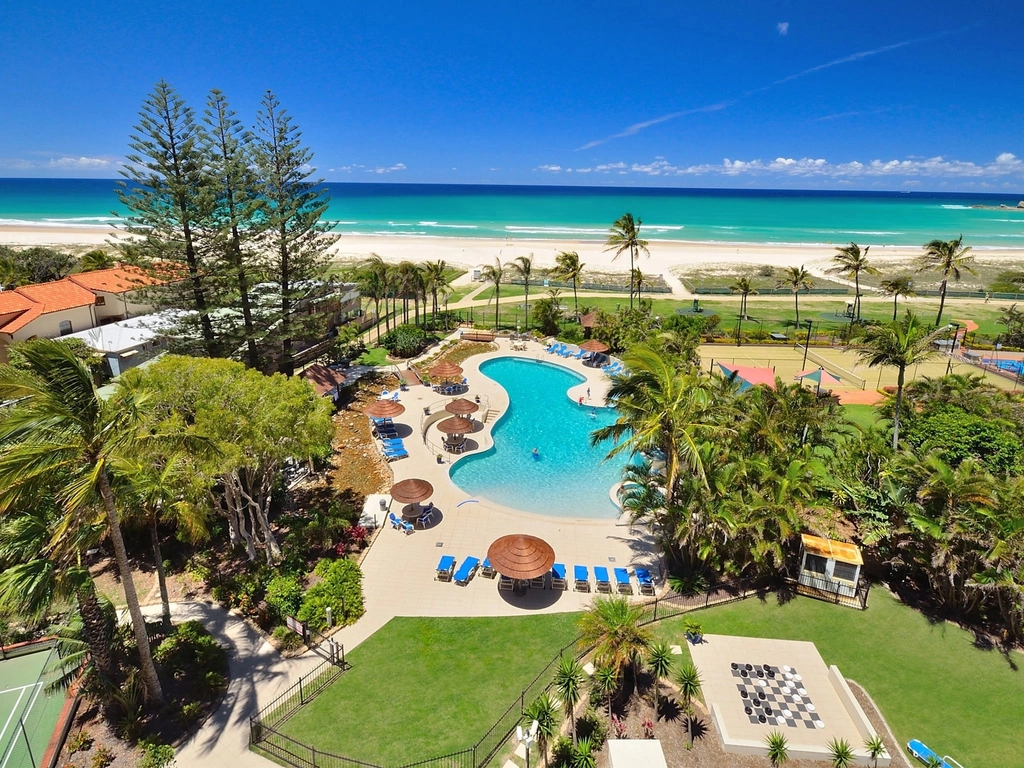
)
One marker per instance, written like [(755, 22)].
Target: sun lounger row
[(391, 444), (556, 576), (446, 570), (602, 582)]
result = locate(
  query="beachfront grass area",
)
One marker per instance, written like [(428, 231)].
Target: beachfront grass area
[(373, 356), (863, 416), (929, 679), (424, 687)]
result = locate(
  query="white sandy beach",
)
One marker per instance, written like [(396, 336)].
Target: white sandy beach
[(470, 252)]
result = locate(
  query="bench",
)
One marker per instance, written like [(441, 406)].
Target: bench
[(485, 336)]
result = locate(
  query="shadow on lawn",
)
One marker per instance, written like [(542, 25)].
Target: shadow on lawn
[(533, 600)]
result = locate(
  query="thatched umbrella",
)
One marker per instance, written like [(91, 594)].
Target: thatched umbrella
[(594, 346), (411, 491), (445, 370), (456, 425), (384, 409), (462, 407), (521, 557)]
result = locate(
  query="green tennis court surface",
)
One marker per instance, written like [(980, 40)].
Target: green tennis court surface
[(28, 711)]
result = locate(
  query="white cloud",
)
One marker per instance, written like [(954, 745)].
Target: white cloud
[(381, 169), (79, 163), (783, 27), (550, 168)]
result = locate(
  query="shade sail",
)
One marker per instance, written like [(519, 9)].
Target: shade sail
[(445, 370), (411, 491), (461, 407), (821, 377), (594, 346), (520, 556), (384, 409), (456, 425)]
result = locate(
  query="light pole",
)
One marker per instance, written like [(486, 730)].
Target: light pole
[(527, 737), (807, 344), (952, 345)]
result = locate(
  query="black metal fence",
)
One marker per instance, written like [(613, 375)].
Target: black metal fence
[(830, 590), (263, 727)]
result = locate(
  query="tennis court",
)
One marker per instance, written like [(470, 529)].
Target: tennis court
[(29, 712)]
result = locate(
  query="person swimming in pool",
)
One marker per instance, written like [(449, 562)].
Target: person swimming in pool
[(593, 413), (535, 453)]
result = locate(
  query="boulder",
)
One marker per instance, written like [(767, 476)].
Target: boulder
[(1020, 204)]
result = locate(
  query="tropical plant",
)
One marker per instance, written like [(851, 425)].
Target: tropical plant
[(612, 626), (900, 285), (688, 680), (795, 279), (659, 663), (875, 747), (583, 754), (435, 281), (545, 713), (372, 282), (899, 344), (949, 258), (841, 753), (63, 440), (494, 274), (744, 286), (569, 680), (778, 748), (604, 683), (523, 266), (624, 235), (96, 259), (568, 267), (851, 261)]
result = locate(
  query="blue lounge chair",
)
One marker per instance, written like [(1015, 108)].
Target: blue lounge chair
[(558, 576), (383, 422), (646, 581), (581, 577), (604, 584), (466, 570), (392, 441), (400, 525), (565, 352), (445, 568), (553, 349), (622, 582), (393, 455), (579, 355), (925, 755), (487, 570)]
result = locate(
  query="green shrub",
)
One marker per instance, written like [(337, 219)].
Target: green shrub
[(561, 753), (101, 758), (404, 341), (79, 742), (189, 713), (591, 725), (284, 595), (340, 587), (286, 639), (156, 755), (192, 653)]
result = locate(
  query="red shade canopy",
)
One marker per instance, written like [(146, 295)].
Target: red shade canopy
[(520, 556)]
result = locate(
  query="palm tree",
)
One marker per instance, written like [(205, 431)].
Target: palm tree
[(372, 283), (569, 267), (523, 266), (659, 662), (435, 280), (409, 284), (851, 261), (96, 259), (638, 281), (624, 235), (494, 274), (63, 439), (778, 748), (544, 711), (583, 754), (569, 679), (612, 625), (796, 279), (605, 682), (900, 285), (688, 680), (841, 753), (949, 259), (744, 286), (875, 747), (899, 344)]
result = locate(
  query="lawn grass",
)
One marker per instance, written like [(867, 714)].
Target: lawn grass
[(373, 356), (424, 687), (929, 679), (863, 416)]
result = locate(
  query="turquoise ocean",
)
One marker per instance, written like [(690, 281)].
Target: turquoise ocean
[(584, 213)]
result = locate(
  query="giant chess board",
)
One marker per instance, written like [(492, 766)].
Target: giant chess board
[(774, 696)]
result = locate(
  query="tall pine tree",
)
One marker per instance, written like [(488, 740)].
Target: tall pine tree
[(227, 147), (169, 200), (292, 205)]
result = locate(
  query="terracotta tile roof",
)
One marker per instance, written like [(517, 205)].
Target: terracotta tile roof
[(12, 301), (57, 296), (114, 280), (322, 378)]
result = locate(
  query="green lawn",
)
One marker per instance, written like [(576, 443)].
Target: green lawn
[(930, 681), (862, 415), (420, 688), (373, 356)]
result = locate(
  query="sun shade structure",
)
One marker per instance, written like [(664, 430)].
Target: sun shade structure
[(461, 407), (821, 377), (445, 370), (594, 346), (748, 376), (521, 557), (411, 491), (456, 425), (384, 409)]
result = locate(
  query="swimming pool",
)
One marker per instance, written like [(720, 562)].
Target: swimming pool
[(569, 479)]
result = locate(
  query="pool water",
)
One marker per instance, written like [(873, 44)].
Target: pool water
[(569, 479)]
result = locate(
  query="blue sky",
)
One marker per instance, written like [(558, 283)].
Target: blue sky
[(913, 95)]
